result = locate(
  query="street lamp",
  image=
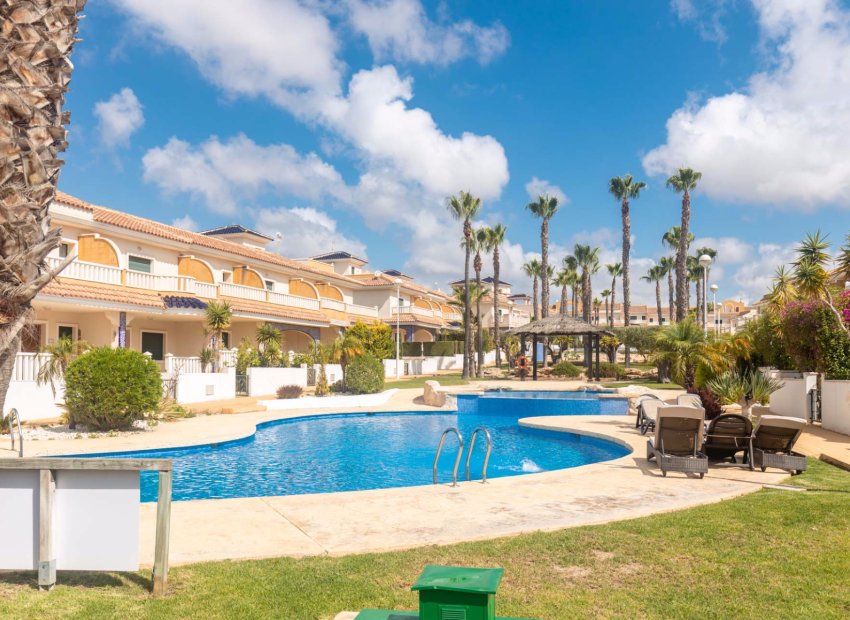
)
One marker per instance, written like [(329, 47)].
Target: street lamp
[(397, 283), (704, 262), (714, 306)]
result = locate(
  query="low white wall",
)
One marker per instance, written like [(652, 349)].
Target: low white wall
[(200, 387), (792, 399), (389, 369), (265, 381), (332, 371), (835, 406), (329, 402), (33, 401)]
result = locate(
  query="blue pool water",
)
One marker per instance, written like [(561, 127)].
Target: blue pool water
[(349, 452)]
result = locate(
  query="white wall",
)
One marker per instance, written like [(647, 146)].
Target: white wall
[(33, 401), (792, 399), (206, 386), (266, 381), (835, 406)]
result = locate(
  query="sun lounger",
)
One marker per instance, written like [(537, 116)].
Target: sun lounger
[(639, 406), (772, 444), (648, 411), (689, 400), (727, 435), (678, 440)]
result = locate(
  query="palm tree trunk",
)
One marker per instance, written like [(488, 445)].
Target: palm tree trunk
[(658, 300), (681, 259), (496, 306), (613, 296), (467, 314), (627, 243), (575, 302), (480, 331), (535, 291), (544, 268), (563, 300), (607, 314), (671, 309), (35, 71)]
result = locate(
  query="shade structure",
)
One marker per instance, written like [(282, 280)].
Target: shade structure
[(562, 325)]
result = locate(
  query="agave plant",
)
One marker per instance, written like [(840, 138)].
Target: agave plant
[(744, 389)]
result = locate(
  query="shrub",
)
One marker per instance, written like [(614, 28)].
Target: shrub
[(289, 391), (815, 339), (364, 375), (607, 369), (566, 369), (376, 338), (110, 389), (337, 387), (322, 388), (709, 402)]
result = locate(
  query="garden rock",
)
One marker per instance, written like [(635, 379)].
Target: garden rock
[(432, 395)]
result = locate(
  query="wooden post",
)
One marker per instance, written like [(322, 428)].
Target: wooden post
[(163, 532), (46, 551), (534, 357)]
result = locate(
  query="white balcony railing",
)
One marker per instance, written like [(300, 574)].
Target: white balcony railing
[(452, 316), (243, 292), (285, 299), (87, 271), (370, 311), (333, 304), (205, 289), (26, 365)]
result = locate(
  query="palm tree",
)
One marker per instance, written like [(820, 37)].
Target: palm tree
[(843, 260), (571, 266), (269, 344), (60, 354), (532, 270), (670, 240), (685, 181), (597, 304), (545, 208), (346, 348), (218, 316), (476, 292), (694, 272), (668, 265), (683, 348), (811, 274), (703, 277), (783, 290), (495, 238), (615, 270), (625, 188), (656, 274), (464, 207), (35, 70), (563, 280), (479, 243), (606, 294), (587, 259)]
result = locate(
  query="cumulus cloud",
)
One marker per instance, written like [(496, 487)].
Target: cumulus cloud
[(119, 117), (305, 231), (536, 187), (782, 138), (400, 30), (282, 49), (185, 222), (221, 172)]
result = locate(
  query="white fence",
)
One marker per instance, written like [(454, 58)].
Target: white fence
[(835, 406), (792, 399), (203, 387), (266, 381), (33, 401)]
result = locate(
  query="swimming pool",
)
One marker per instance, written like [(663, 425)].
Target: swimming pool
[(349, 452)]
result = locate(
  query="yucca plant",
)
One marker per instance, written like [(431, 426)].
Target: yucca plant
[(206, 357), (743, 388)]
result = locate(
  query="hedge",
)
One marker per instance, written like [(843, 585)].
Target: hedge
[(364, 375)]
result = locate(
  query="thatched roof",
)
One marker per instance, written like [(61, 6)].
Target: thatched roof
[(559, 325)]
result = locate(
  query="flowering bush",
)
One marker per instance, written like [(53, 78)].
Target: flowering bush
[(815, 339)]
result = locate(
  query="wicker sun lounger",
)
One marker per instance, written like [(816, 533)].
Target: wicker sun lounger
[(689, 400), (678, 440), (641, 411), (772, 444), (727, 435)]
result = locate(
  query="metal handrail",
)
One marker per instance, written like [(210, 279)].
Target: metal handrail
[(14, 414), (459, 453), (486, 454)]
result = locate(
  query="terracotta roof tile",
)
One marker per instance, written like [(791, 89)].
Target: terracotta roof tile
[(284, 312), (415, 318), (78, 289)]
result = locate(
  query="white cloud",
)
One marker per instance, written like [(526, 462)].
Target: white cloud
[(282, 49), (401, 30), (782, 138), (707, 17), (755, 277), (119, 117), (305, 231), (535, 187), (221, 172), (185, 222)]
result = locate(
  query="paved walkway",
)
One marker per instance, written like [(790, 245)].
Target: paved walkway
[(825, 445)]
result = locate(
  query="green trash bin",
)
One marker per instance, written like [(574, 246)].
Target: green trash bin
[(455, 593)]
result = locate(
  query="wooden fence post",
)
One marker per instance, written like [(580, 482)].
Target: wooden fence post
[(163, 532), (46, 552)]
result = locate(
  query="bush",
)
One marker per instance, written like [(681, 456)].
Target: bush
[(815, 339), (607, 369), (376, 338), (709, 402), (108, 389), (566, 369), (322, 388), (289, 391), (364, 375), (337, 387)]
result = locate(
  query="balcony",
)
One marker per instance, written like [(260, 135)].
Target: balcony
[(426, 312), (357, 309)]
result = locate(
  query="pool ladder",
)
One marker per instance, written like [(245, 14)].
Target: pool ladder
[(454, 430), (13, 415)]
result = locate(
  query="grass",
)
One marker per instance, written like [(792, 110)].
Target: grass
[(419, 382), (649, 384), (768, 554)]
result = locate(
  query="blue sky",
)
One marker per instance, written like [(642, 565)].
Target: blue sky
[(346, 124)]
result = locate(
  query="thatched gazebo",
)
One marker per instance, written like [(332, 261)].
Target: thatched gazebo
[(562, 325)]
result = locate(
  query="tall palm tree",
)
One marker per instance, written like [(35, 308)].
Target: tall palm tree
[(219, 315), (35, 70), (545, 208), (668, 265), (562, 279), (532, 270), (656, 274), (694, 272), (615, 270), (625, 188), (464, 207), (685, 181), (459, 300), (606, 294), (571, 266), (597, 304), (495, 238), (587, 259), (479, 244)]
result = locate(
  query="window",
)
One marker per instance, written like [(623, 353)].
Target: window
[(225, 340), (64, 250), (65, 331), (137, 263), (269, 285), (226, 275), (632, 317), (154, 343)]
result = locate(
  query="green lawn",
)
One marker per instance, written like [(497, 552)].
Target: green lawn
[(771, 554), (419, 382)]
